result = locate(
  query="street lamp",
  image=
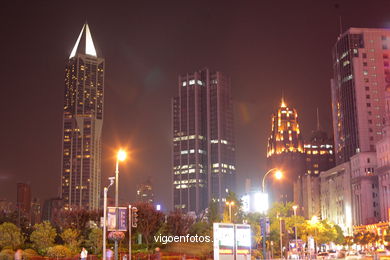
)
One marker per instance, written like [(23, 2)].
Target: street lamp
[(278, 175), (295, 216), (230, 204), (314, 221), (112, 179), (120, 157)]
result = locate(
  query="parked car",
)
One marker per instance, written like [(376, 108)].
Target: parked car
[(323, 255), (332, 254), (353, 255)]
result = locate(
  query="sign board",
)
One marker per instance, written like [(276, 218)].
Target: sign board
[(243, 241), (117, 219), (223, 241)]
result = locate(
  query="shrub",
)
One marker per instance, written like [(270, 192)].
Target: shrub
[(59, 251), (29, 253), (10, 236), (7, 254), (43, 236)]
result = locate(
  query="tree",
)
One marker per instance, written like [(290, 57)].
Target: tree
[(95, 240), (75, 219), (340, 239), (149, 221), (43, 236), (212, 213), (10, 235), (178, 223), (71, 239), (253, 219), (236, 209)]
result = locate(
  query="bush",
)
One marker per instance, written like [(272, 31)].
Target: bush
[(10, 236), (29, 253), (7, 254), (59, 251)]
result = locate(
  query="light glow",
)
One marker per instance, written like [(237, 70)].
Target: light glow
[(121, 156), (278, 175)]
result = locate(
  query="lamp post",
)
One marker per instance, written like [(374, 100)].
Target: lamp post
[(314, 221), (121, 156), (230, 204), (105, 216), (295, 215), (278, 175)]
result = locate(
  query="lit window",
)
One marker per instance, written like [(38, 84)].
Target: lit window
[(192, 82)]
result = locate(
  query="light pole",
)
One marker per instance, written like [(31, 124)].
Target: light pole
[(295, 216), (121, 156), (105, 216), (230, 204), (278, 175)]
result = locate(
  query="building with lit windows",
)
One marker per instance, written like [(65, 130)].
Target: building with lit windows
[(361, 69), (285, 151), (82, 125), (203, 154), (319, 156), (145, 192)]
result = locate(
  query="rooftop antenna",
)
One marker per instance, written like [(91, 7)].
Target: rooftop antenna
[(318, 120)]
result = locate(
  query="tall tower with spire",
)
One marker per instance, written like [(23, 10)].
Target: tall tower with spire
[(285, 151), (82, 125)]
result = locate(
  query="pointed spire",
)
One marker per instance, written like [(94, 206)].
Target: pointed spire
[(86, 46), (283, 104), (318, 120)]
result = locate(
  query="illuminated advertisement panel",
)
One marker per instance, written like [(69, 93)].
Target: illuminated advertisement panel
[(243, 241), (111, 219), (117, 219), (223, 241)]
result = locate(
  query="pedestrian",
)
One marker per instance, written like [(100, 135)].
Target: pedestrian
[(84, 254), (158, 253), (109, 254), (18, 254)]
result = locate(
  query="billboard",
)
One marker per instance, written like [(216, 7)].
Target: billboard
[(223, 241), (117, 219), (243, 241)]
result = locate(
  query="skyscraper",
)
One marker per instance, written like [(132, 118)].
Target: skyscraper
[(203, 140), (285, 152), (361, 59), (23, 198), (82, 125), (145, 192)]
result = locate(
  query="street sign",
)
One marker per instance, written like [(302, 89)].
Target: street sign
[(223, 241), (243, 241)]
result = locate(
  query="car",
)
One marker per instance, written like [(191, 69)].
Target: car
[(332, 254), (323, 255), (353, 255)]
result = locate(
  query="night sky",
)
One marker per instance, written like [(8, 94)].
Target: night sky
[(266, 47)]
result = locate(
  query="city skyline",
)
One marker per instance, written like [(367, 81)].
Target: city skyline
[(142, 75)]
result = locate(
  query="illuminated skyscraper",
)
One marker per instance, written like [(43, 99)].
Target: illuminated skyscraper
[(145, 192), (285, 152), (203, 141), (82, 125), (361, 67), (23, 198)]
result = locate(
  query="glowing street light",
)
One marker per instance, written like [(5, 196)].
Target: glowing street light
[(313, 221), (278, 175), (230, 204), (120, 157)]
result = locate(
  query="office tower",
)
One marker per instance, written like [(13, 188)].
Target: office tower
[(361, 59), (319, 156), (82, 125), (383, 162), (145, 192), (35, 215), (23, 198), (51, 208), (203, 140), (285, 151)]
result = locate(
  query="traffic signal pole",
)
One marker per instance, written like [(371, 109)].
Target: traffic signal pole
[(130, 224)]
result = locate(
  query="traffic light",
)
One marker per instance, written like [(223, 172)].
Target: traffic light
[(134, 217)]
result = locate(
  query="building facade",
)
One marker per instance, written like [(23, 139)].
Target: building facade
[(336, 201), (82, 125), (203, 156), (319, 156), (285, 151), (361, 59), (23, 198)]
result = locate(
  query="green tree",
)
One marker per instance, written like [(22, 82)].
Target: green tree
[(340, 239), (10, 235), (237, 212), (253, 219), (43, 237), (71, 239), (213, 213), (95, 240)]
